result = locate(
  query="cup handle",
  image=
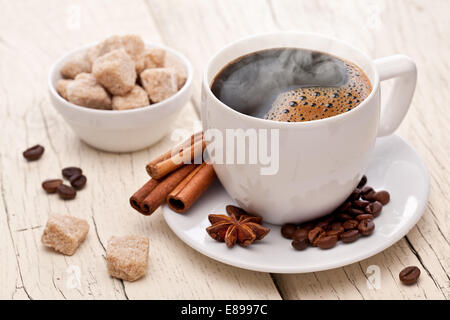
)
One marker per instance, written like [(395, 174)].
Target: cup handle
[(403, 69)]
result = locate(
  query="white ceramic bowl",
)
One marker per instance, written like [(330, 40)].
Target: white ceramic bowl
[(124, 130)]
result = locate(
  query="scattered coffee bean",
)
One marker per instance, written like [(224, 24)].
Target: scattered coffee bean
[(355, 195), (350, 224), (78, 181), (361, 203), (235, 211), (300, 244), (33, 153), (347, 223), (369, 196), (345, 206), (336, 228), (355, 212), (327, 241), (315, 234), (362, 182), (364, 216), (322, 224), (66, 192), (300, 234), (382, 196), (71, 171), (307, 225), (343, 217), (335, 232), (409, 275), (349, 236), (374, 208), (288, 230), (366, 190), (50, 185), (366, 227)]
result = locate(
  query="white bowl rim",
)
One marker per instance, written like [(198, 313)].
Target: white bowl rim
[(154, 106)]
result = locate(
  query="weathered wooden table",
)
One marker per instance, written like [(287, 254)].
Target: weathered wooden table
[(35, 33)]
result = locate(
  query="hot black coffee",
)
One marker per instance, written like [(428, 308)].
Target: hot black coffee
[(291, 84)]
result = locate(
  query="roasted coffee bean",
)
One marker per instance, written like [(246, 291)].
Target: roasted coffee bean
[(66, 192), (315, 234), (322, 224), (335, 232), (366, 190), (78, 181), (327, 241), (300, 234), (369, 195), (374, 208), (354, 195), (336, 226), (360, 203), (34, 152), (362, 182), (366, 227), (71, 171), (382, 196), (364, 216), (307, 225), (287, 230), (345, 206), (409, 275), (50, 185), (350, 224), (355, 212), (300, 244), (343, 217), (349, 236)]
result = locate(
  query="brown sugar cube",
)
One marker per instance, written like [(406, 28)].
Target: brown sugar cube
[(109, 44), (173, 62), (151, 58), (127, 257), (87, 92), (61, 87), (136, 98), (77, 64), (65, 233), (116, 71), (133, 45), (160, 83)]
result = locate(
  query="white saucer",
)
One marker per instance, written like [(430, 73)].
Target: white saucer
[(394, 166)]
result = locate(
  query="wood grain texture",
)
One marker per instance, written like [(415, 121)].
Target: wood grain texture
[(33, 34)]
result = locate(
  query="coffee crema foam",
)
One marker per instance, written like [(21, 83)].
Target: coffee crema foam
[(291, 85), (306, 104)]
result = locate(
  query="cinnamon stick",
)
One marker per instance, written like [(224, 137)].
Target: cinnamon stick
[(191, 188), (177, 157), (139, 196), (158, 194)]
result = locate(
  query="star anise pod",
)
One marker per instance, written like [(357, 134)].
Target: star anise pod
[(243, 230)]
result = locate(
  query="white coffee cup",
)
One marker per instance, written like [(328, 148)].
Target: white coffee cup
[(321, 161)]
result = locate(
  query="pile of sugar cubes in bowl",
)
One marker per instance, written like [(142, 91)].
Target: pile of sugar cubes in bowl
[(120, 73)]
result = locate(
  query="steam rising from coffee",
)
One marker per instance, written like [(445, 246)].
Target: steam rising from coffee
[(252, 83)]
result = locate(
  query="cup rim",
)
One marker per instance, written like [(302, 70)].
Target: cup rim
[(310, 123), (56, 66)]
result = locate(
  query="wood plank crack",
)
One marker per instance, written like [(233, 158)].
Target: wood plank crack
[(414, 251)]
